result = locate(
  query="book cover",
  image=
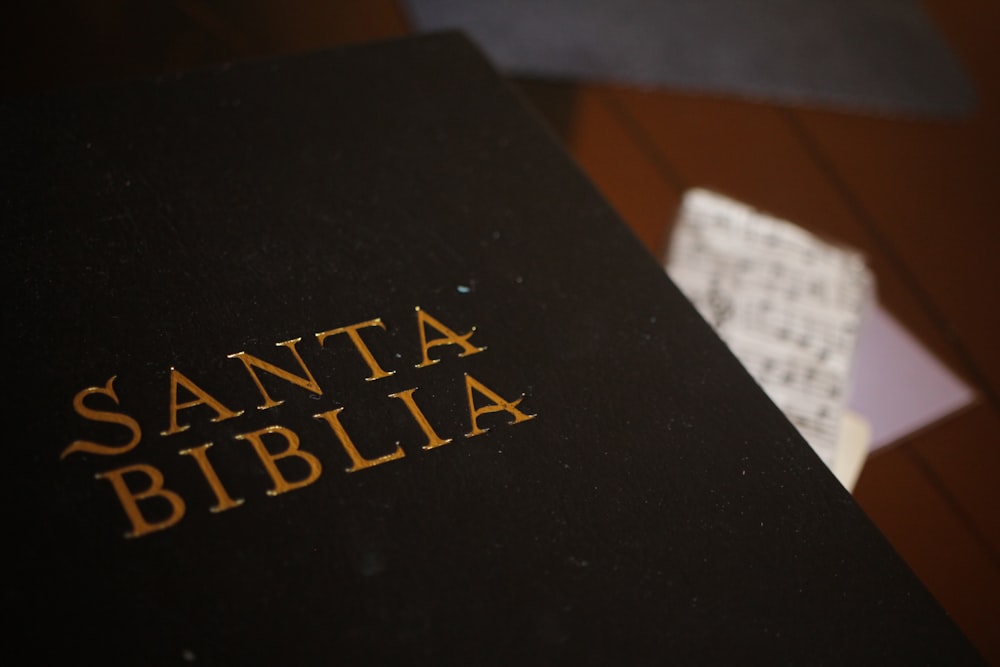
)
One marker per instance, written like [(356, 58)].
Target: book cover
[(338, 359)]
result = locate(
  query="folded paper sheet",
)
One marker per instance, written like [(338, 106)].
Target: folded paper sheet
[(898, 384), (788, 304), (802, 315)]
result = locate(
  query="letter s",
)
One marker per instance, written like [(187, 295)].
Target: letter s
[(102, 416)]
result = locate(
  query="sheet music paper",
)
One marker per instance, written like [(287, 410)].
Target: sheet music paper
[(788, 304)]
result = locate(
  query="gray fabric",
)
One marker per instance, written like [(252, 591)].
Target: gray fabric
[(881, 56)]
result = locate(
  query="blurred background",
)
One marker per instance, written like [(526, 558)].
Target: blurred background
[(872, 123)]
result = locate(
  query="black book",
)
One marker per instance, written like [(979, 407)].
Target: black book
[(338, 359)]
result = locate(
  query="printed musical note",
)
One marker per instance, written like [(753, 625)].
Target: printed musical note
[(788, 304)]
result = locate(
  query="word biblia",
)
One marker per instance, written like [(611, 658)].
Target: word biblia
[(146, 484)]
